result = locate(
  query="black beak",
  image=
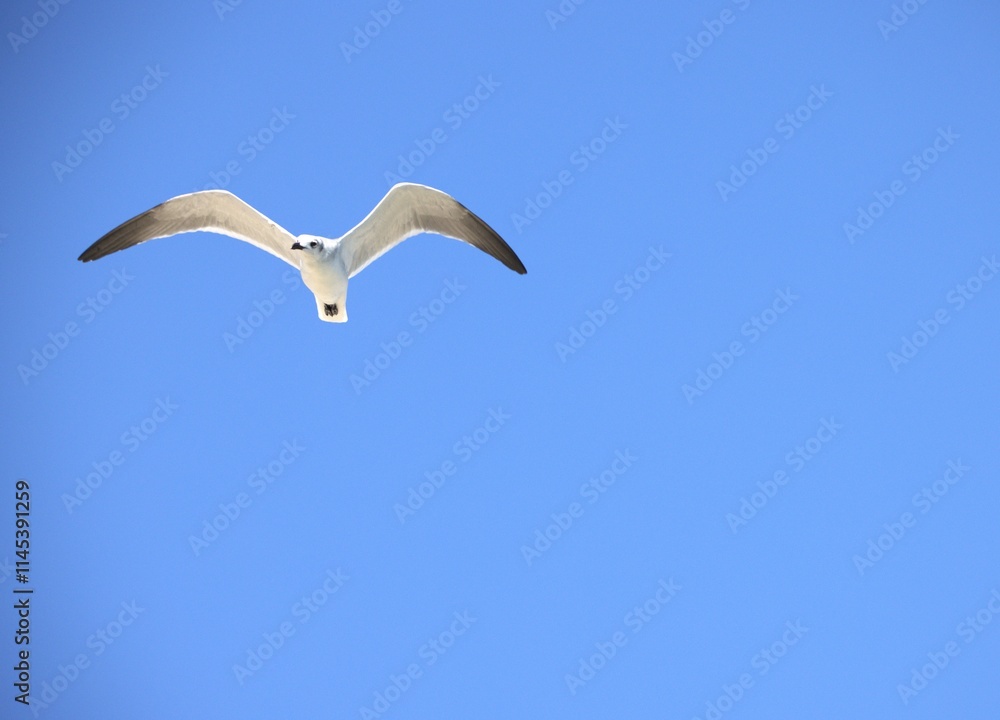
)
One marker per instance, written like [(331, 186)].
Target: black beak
[(297, 246)]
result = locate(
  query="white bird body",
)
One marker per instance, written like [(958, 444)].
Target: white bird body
[(326, 275), (326, 264)]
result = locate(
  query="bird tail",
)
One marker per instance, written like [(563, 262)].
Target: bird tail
[(334, 312)]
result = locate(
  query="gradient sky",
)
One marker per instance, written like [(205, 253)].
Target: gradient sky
[(728, 450)]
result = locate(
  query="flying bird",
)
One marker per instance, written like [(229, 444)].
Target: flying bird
[(326, 264)]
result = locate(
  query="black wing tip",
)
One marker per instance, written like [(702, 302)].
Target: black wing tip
[(94, 252), (507, 255), (504, 253)]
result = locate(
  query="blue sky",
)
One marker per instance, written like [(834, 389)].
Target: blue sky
[(726, 451)]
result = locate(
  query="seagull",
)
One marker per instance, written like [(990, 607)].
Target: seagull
[(326, 264)]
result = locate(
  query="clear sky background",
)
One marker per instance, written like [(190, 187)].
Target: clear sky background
[(799, 418)]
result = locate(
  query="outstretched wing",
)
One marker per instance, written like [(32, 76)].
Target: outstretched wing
[(209, 210), (409, 209)]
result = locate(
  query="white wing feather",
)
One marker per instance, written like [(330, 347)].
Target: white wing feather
[(210, 211), (409, 209)]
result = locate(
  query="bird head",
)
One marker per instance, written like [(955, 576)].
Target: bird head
[(308, 244)]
